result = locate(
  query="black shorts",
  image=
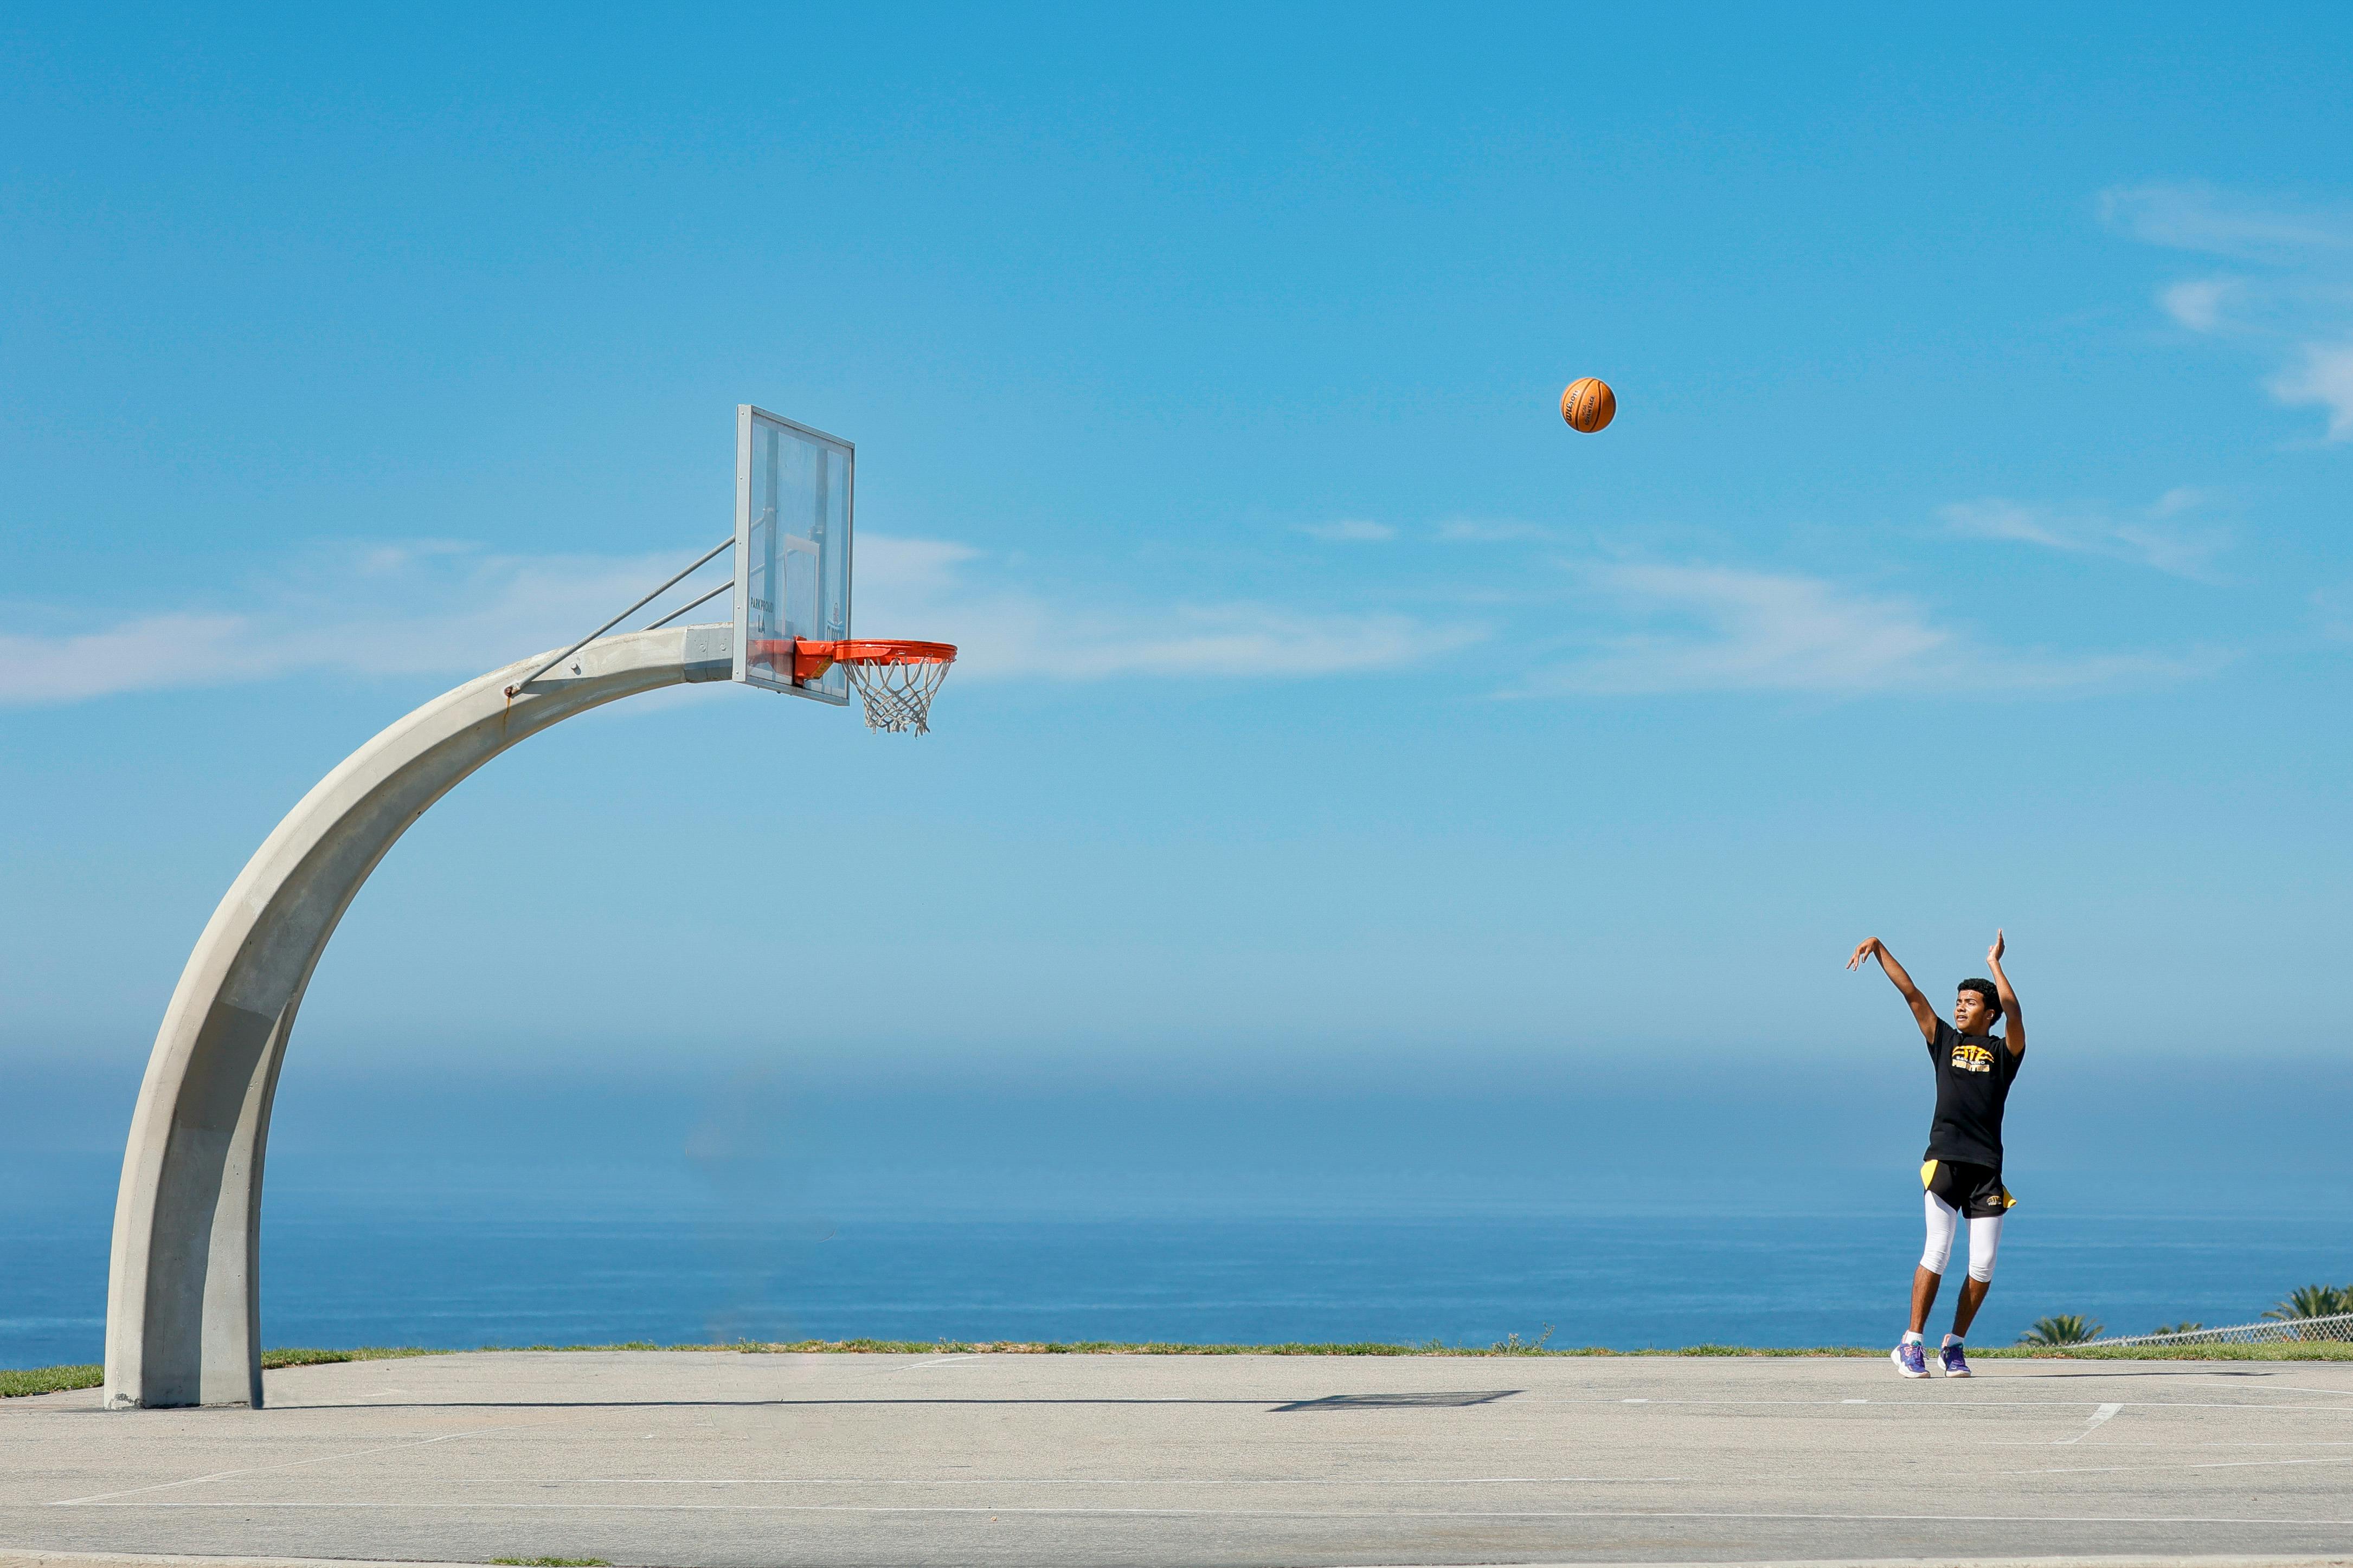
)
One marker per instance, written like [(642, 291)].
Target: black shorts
[(1975, 1190)]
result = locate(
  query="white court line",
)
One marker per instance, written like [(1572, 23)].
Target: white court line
[(2274, 1520), (2103, 1414), (258, 1470), (1932, 1404), (2130, 1445), (2208, 1465), (933, 1361), (1126, 1481)]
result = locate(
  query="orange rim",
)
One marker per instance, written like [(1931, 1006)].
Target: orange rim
[(879, 650), (812, 659)]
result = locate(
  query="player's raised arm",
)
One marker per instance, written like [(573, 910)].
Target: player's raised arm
[(2014, 1031), (1922, 1014)]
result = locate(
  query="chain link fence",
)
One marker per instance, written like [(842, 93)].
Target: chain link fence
[(2270, 1332)]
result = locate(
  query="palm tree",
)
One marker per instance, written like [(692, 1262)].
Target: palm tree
[(2066, 1329), (2314, 1301), (2177, 1328)]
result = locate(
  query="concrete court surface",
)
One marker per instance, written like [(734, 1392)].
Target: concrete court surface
[(714, 1458)]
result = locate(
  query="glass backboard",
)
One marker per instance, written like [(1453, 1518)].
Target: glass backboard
[(792, 550)]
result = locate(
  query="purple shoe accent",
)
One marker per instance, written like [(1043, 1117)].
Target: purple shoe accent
[(1955, 1364), (1911, 1359)]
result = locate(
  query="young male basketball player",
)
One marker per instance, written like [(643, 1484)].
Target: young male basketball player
[(1962, 1169)]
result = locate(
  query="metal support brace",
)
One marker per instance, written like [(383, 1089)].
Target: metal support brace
[(624, 615)]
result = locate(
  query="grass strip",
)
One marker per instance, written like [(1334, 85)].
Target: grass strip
[(50, 1380), (2315, 1350), (271, 1360), (58, 1379), (1120, 1347)]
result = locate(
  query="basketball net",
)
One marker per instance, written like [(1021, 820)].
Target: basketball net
[(895, 680), (898, 696)]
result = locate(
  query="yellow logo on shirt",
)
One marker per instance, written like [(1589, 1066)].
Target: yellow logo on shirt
[(1972, 1058)]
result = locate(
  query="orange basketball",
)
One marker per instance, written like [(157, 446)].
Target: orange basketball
[(1588, 404)]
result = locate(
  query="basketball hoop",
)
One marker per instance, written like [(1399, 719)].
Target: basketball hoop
[(895, 680)]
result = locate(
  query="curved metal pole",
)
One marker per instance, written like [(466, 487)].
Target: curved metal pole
[(182, 1317)]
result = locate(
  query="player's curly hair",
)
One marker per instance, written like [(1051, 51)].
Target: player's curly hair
[(1984, 988)]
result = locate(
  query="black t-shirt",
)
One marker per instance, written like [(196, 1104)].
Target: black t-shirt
[(1973, 1077)]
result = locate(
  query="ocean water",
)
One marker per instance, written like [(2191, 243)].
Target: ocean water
[(363, 1275), (1663, 1209)]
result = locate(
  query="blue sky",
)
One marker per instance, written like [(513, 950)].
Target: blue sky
[(1970, 547)]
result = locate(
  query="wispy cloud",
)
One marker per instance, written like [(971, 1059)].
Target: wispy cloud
[(1479, 531), (435, 607), (2292, 298), (2323, 375), (2153, 535), (1721, 628), (935, 588), (2196, 216), (2203, 304), (396, 609), (1349, 530)]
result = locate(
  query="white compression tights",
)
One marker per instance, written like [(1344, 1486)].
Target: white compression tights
[(1985, 1239)]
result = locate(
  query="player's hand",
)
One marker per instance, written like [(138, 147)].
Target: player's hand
[(1870, 949), (1993, 953)]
